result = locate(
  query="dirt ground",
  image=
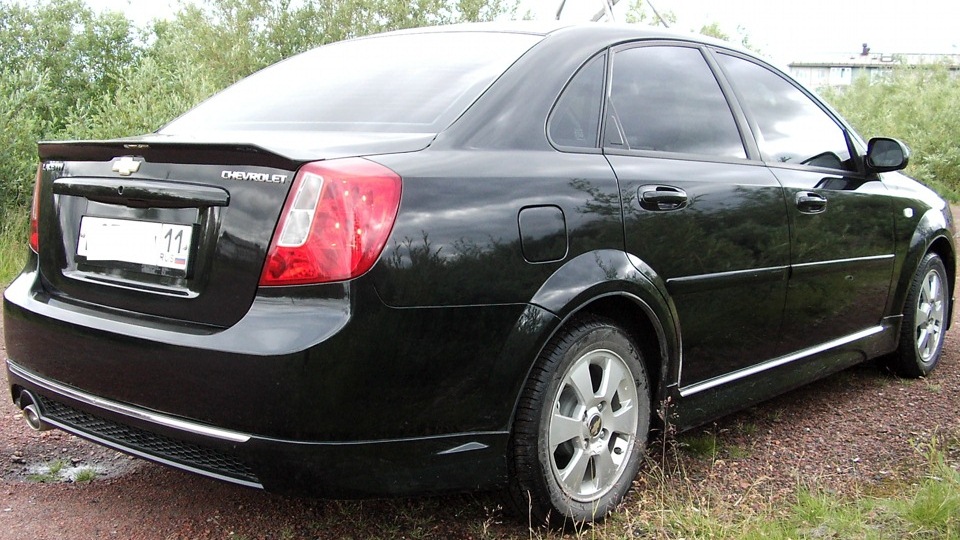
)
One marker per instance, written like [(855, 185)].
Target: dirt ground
[(859, 428)]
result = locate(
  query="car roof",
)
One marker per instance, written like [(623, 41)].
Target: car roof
[(595, 31)]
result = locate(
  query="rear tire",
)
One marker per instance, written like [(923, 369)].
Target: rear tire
[(581, 425), (924, 320)]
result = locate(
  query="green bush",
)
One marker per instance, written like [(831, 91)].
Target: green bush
[(71, 73), (21, 95), (58, 56), (918, 105)]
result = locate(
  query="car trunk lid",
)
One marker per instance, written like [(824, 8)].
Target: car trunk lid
[(160, 227)]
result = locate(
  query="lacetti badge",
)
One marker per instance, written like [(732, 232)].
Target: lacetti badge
[(126, 165), (254, 177)]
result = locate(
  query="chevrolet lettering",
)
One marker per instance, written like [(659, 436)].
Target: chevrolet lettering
[(254, 177)]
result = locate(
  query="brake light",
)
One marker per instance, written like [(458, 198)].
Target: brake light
[(35, 214), (334, 224)]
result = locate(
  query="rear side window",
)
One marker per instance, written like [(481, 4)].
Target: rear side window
[(415, 83), (575, 120), (791, 127), (666, 99)]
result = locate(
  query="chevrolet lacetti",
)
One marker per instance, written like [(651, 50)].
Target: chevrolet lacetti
[(471, 257)]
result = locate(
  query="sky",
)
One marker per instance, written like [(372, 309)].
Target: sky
[(783, 30)]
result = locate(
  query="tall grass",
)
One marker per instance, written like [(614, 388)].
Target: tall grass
[(14, 234), (670, 505)]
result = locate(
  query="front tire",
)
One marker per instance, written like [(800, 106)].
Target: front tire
[(924, 320), (581, 425)]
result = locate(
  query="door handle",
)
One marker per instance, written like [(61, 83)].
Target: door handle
[(811, 203), (662, 198)]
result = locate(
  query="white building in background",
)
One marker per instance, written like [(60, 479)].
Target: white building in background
[(842, 69)]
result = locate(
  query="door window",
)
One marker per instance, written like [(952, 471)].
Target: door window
[(666, 99), (575, 120), (791, 128)]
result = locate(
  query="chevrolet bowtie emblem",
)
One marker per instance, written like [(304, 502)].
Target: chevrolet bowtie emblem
[(126, 166)]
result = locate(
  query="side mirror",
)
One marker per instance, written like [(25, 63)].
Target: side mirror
[(884, 155)]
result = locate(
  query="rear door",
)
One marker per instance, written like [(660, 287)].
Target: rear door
[(701, 214), (841, 220)]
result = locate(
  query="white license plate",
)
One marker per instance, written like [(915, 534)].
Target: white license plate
[(137, 242)]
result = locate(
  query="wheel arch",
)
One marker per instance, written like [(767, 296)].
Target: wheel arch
[(616, 286), (944, 249), (635, 317), (933, 234)]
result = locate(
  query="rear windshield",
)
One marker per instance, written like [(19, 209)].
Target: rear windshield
[(413, 83)]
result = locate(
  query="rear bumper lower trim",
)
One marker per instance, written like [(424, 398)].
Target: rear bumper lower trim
[(148, 456), (126, 410)]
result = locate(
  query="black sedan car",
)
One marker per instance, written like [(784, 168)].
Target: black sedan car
[(472, 257)]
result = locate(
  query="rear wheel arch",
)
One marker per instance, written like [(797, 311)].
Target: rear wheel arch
[(621, 287), (637, 319), (649, 325), (657, 341)]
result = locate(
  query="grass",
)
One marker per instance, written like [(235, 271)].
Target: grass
[(670, 505), (60, 471), (48, 473), (84, 474), (702, 445), (708, 445)]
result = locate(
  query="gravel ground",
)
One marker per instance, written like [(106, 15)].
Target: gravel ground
[(852, 433)]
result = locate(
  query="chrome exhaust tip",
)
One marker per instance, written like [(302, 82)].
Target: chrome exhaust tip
[(31, 413)]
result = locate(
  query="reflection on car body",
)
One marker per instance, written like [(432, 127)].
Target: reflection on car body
[(470, 257)]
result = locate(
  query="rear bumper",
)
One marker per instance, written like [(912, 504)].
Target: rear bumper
[(344, 470), (334, 395), (217, 377)]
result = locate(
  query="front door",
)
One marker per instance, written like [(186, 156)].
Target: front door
[(708, 220), (842, 227)]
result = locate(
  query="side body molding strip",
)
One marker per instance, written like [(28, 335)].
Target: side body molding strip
[(776, 362)]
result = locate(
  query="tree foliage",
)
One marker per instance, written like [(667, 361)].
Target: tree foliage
[(69, 72), (917, 104), (743, 37), (58, 56), (644, 13), (639, 14), (77, 53)]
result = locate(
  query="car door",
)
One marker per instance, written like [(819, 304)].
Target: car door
[(708, 220), (841, 220)]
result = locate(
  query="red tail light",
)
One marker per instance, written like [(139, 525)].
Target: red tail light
[(334, 224), (35, 214)]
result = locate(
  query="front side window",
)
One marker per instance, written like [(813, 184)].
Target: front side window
[(666, 99), (791, 127)]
